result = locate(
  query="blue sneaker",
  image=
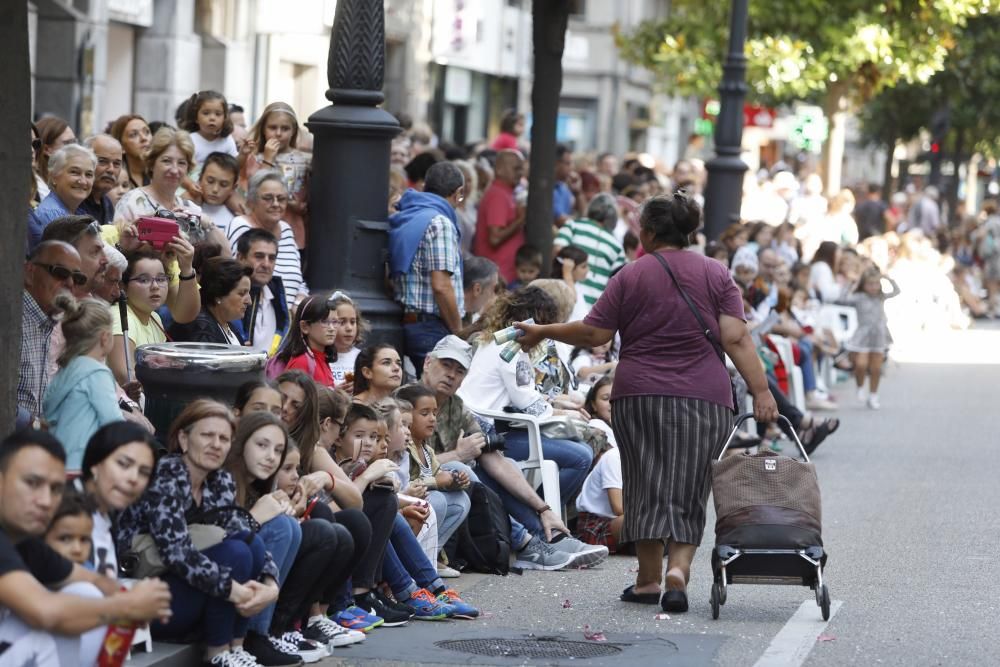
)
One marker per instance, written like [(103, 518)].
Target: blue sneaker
[(459, 608), (356, 618), (425, 607)]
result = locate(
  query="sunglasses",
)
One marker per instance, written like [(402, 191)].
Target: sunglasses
[(61, 273)]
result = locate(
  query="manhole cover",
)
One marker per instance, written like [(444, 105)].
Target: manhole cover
[(538, 647)]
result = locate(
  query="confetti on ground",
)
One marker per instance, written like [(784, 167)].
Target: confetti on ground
[(593, 636), (662, 617), (825, 638), (567, 604)]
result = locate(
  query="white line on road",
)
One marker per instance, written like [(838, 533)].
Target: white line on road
[(791, 646)]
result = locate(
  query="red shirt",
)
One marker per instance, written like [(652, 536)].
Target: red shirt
[(505, 141), (314, 365), (497, 208)]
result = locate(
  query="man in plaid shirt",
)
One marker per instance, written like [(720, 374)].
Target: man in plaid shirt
[(52, 267), (425, 261)]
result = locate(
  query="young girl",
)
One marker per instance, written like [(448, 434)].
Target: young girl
[(350, 336), (600, 503), (572, 264), (257, 396), (272, 146), (591, 364), (312, 350), (445, 488), (71, 527), (81, 397), (207, 119), (871, 339)]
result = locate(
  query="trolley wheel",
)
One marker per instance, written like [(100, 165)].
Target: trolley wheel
[(716, 601), (723, 594), (824, 603)]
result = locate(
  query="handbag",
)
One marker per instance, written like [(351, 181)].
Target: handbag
[(716, 345), (143, 558)]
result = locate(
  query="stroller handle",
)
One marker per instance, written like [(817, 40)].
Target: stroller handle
[(749, 415)]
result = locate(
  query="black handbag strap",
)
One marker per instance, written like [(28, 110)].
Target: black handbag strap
[(716, 345)]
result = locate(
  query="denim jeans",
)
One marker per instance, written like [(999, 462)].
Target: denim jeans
[(282, 536), (197, 612), (451, 508), (573, 458), (807, 364), (405, 567), (420, 338)]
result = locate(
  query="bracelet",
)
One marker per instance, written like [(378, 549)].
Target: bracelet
[(269, 164), (543, 510), (190, 277), (333, 481)]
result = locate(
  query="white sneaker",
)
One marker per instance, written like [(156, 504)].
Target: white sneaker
[(234, 658), (446, 572), (873, 402), (862, 395), (584, 555), (306, 649), (335, 635)]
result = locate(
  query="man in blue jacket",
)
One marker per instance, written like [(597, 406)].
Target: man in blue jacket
[(265, 322), (425, 261)]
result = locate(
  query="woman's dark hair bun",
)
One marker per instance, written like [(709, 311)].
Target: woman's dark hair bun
[(671, 218), (687, 212)]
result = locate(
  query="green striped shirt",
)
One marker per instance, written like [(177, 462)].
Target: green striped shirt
[(605, 253)]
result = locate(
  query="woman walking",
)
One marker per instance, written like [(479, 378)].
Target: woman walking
[(672, 400)]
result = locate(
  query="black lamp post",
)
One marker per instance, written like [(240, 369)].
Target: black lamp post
[(348, 193), (725, 171)]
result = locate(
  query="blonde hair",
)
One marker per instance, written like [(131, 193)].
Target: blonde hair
[(82, 325), (164, 138), (388, 410), (561, 292)]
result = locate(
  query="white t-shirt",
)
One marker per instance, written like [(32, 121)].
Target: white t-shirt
[(203, 147), (607, 474), (220, 215), (343, 364), (265, 322), (105, 560), (493, 384)]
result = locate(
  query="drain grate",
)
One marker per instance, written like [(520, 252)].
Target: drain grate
[(537, 647)]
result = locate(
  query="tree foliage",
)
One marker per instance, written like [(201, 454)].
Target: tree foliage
[(799, 50)]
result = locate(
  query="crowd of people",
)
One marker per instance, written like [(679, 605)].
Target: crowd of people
[(339, 492)]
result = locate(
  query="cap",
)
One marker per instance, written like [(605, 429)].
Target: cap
[(453, 347)]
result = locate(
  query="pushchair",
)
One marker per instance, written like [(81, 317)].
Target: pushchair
[(768, 522)]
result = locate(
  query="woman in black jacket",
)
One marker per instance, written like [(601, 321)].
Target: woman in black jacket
[(225, 295)]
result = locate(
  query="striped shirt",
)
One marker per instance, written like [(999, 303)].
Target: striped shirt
[(439, 250), (604, 251), (288, 265)]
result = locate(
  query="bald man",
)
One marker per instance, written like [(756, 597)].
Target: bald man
[(500, 221), (109, 166), (52, 268)]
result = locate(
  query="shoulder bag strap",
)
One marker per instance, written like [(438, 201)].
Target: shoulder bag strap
[(716, 345)]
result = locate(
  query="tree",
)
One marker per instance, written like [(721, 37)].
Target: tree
[(15, 160), (549, 21), (837, 54), (896, 114)]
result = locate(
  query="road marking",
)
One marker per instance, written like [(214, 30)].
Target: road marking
[(791, 646)]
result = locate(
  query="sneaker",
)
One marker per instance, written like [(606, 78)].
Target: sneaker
[(584, 555), (460, 609), (235, 658), (873, 402), (391, 603), (356, 618), (321, 629), (446, 572), (862, 395), (539, 555), (306, 649), (426, 607), (267, 652), (373, 605)]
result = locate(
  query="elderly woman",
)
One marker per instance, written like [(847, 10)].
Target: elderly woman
[(267, 198), (671, 399), (225, 295), (71, 176), (132, 132), (217, 589), (54, 133)]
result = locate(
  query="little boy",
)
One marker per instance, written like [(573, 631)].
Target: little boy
[(217, 183), (528, 263), (69, 534)]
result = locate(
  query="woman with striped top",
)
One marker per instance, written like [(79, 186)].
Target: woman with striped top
[(267, 199)]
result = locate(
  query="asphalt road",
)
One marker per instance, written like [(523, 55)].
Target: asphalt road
[(910, 500)]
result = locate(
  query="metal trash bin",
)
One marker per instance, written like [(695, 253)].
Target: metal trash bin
[(174, 374)]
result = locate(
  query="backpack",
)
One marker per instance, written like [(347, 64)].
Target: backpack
[(482, 542)]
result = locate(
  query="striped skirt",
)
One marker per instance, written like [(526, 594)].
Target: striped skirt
[(667, 445)]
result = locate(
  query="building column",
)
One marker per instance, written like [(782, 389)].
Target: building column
[(168, 60)]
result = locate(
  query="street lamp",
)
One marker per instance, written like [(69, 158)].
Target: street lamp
[(348, 191), (724, 192)]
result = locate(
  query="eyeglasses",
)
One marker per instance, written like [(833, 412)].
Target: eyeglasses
[(270, 199), (145, 281), (61, 273)]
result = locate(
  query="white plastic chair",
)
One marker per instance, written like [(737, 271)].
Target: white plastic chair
[(536, 464), (842, 321), (796, 388)]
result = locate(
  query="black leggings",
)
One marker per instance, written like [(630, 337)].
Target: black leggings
[(380, 507)]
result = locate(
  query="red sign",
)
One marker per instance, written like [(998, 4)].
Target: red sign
[(754, 116)]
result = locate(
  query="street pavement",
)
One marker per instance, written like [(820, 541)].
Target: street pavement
[(909, 500)]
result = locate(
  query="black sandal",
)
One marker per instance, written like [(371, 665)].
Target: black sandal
[(675, 601), (629, 595), (820, 432)]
